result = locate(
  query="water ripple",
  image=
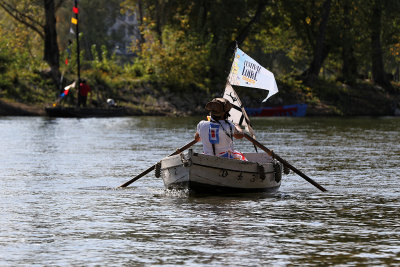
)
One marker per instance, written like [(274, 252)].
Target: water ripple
[(60, 205)]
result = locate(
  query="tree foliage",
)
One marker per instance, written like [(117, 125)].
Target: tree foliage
[(184, 42)]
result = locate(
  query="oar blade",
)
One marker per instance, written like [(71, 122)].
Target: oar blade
[(284, 162), (137, 177)]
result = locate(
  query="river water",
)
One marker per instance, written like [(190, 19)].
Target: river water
[(59, 204)]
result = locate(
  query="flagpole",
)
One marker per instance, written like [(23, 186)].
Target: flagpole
[(232, 60), (77, 42), (241, 105), (244, 114)]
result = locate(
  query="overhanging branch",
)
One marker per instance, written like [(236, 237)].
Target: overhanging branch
[(23, 18)]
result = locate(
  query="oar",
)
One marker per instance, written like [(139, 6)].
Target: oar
[(179, 150), (284, 162)]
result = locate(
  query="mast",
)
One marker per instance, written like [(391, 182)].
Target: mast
[(76, 11)]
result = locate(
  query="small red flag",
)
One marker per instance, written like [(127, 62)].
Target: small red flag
[(75, 10)]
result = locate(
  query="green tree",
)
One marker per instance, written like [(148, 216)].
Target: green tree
[(320, 47), (39, 16), (310, 21), (95, 20), (206, 23), (378, 70), (349, 65)]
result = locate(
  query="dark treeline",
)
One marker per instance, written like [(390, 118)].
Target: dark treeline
[(190, 43)]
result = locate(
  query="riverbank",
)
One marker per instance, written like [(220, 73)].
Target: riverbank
[(11, 108), (324, 99)]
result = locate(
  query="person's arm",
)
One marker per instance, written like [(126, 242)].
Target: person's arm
[(197, 137), (238, 132)]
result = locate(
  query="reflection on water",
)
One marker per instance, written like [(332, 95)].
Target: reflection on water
[(59, 204)]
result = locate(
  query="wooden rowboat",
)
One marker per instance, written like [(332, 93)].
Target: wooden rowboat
[(201, 173)]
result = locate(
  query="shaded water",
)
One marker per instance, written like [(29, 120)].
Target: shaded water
[(59, 205)]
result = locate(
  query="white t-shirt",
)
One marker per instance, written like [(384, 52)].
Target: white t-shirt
[(223, 141)]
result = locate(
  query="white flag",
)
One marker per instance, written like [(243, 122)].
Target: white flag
[(247, 72), (237, 113), (72, 85)]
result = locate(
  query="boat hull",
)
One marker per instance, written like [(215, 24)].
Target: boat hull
[(297, 110), (201, 173)]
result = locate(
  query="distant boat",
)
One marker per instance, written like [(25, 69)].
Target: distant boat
[(297, 110)]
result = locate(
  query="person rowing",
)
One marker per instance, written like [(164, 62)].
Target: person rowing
[(217, 133)]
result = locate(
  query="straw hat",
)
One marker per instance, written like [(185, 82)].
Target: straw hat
[(219, 107)]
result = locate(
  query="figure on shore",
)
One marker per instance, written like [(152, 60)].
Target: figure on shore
[(84, 90)]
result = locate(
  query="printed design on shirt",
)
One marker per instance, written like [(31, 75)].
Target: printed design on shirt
[(213, 133)]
